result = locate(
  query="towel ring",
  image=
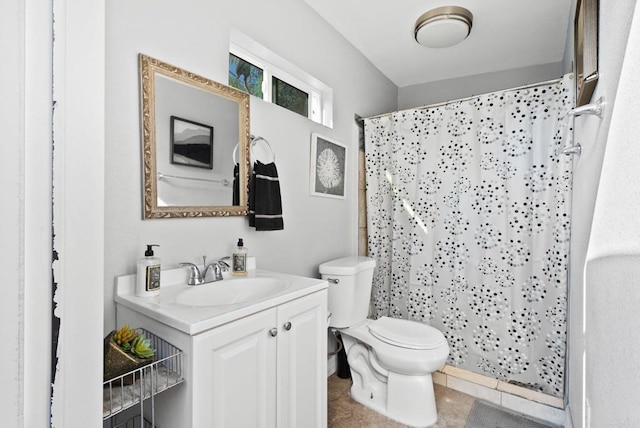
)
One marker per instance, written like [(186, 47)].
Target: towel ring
[(254, 140), (235, 154)]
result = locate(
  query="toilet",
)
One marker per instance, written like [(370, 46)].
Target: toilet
[(391, 360)]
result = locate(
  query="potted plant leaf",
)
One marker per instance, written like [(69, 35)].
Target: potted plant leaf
[(125, 350)]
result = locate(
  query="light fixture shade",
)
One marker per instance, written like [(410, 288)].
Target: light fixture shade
[(444, 26)]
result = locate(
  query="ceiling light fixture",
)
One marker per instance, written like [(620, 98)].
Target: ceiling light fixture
[(443, 26)]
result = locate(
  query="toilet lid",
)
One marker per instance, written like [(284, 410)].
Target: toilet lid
[(406, 334)]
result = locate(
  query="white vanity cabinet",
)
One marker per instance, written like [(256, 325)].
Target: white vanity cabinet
[(265, 370), (264, 365)]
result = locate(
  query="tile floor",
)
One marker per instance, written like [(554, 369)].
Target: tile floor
[(453, 408)]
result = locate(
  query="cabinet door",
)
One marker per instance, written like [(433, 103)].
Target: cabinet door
[(302, 362), (234, 382)]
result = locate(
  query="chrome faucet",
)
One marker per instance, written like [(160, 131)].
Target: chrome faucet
[(218, 267), (197, 276)]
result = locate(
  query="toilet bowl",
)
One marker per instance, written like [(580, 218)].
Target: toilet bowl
[(391, 360)]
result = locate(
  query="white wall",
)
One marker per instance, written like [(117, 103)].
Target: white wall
[(11, 226), (78, 211), (462, 87), (592, 133), (28, 119), (25, 253), (612, 292), (36, 214), (194, 35)]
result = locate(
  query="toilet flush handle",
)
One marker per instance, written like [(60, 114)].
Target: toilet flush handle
[(333, 280)]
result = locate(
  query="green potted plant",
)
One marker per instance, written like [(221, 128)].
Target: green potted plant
[(125, 350)]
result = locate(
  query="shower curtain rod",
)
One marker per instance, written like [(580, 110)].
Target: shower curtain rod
[(444, 103)]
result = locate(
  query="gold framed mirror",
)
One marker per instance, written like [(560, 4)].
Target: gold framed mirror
[(195, 144)]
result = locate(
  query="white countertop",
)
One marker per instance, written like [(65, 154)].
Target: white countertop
[(197, 319)]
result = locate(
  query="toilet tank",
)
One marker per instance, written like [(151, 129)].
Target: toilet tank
[(350, 280)]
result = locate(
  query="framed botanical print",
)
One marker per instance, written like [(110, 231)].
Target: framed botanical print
[(328, 167)]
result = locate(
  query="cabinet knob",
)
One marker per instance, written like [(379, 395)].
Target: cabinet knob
[(287, 326), (273, 332)]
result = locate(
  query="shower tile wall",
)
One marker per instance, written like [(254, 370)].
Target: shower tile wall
[(513, 397)]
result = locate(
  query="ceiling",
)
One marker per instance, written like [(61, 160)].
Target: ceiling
[(506, 34)]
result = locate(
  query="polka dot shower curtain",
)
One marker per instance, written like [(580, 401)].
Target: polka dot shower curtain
[(469, 219)]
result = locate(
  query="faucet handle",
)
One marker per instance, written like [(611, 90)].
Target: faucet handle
[(217, 271), (223, 264), (195, 278)]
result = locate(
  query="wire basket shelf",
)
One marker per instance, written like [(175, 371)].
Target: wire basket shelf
[(129, 389), (133, 422)]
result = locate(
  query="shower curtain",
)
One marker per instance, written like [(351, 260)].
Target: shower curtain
[(468, 216)]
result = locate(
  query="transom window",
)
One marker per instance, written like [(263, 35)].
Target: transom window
[(245, 76), (279, 82)]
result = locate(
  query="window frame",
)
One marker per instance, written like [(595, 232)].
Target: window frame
[(317, 102), (274, 94)]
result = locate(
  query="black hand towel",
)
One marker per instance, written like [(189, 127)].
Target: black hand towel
[(265, 203), (236, 185)]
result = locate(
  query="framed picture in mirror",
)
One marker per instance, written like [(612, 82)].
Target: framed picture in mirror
[(191, 143)]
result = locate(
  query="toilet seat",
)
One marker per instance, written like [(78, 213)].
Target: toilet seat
[(406, 334), (400, 358)]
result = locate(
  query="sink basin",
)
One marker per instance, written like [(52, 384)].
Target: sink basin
[(232, 291)]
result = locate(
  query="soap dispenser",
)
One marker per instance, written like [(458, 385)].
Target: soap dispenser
[(148, 275), (239, 260)]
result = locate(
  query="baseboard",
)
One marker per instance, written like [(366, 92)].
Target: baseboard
[(332, 365)]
